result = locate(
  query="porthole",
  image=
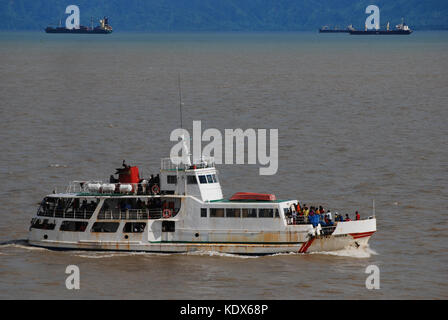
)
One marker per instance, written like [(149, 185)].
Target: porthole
[(196, 234), (126, 236), (45, 237)]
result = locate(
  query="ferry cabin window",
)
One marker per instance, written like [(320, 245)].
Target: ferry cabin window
[(209, 178), (266, 213), (215, 178), (74, 226), (202, 179), (105, 227), (192, 180), (171, 179), (168, 226), (134, 227), (203, 212), (276, 213), (233, 213), (249, 213), (216, 212), (42, 224)]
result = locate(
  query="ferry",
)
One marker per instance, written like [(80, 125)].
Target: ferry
[(400, 29), (103, 28), (182, 209)]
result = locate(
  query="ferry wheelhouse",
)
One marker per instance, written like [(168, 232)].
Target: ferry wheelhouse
[(182, 209)]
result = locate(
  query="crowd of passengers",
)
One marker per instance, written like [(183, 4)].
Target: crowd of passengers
[(61, 205), (298, 214), (129, 204)]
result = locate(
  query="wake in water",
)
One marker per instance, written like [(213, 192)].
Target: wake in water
[(351, 252), (21, 243)]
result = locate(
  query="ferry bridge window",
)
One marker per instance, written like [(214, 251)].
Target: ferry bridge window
[(249, 213), (192, 180), (209, 178), (215, 178), (105, 227), (233, 213), (134, 227), (75, 226), (216, 212), (202, 179), (203, 212), (42, 224), (266, 213), (171, 179)]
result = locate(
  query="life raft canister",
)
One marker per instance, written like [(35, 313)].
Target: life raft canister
[(167, 213), (155, 189)]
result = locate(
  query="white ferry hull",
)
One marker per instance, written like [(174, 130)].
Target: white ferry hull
[(347, 234)]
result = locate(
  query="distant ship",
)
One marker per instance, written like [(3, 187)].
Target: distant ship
[(103, 28), (400, 29), (326, 29)]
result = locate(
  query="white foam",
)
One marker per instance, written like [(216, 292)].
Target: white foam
[(114, 254), (352, 252), (218, 254)]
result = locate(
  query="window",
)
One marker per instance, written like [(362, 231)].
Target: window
[(134, 227), (276, 214), (266, 213), (43, 224), (209, 178), (203, 212), (105, 227), (168, 226), (216, 212), (171, 179), (202, 179), (233, 213), (215, 178), (75, 226), (192, 180), (249, 213)]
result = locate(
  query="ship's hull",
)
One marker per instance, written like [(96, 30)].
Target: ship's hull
[(346, 234), (77, 31), (333, 31), (381, 32)]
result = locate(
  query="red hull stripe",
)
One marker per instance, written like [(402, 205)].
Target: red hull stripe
[(362, 234), (306, 245)]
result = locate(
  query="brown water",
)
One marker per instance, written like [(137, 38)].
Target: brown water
[(359, 118)]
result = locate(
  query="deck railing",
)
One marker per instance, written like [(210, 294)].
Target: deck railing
[(60, 213), (130, 214)]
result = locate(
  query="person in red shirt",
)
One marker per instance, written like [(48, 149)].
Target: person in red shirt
[(358, 217)]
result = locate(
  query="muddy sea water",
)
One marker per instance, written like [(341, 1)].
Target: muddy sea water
[(359, 119)]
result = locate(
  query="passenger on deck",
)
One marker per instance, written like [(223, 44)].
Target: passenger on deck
[(358, 217), (329, 214), (347, 218)]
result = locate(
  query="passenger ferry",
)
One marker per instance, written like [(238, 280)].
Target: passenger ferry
[(182, 209)]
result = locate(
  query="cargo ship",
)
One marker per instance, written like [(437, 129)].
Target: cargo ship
[(400, 29), (326, 29), (182, 209), (103, 28)]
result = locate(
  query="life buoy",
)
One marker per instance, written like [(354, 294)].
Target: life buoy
[(155, 189), (166, 213)]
